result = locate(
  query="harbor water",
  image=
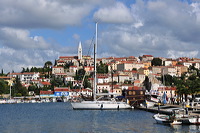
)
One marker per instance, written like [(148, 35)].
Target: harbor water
[(61, 118)]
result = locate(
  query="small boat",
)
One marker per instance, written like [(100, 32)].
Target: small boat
[(176, 122), (162, 118), (194, 120), (167, 119), (149, 103)]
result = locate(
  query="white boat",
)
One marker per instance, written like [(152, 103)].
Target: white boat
[(176, 122), (149, 103), (100, 105), (162, 119), (96, 104), (194, 120)]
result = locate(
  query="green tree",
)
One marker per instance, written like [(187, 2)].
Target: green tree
[(35, 89), (18, 88), (102, 68), (4, 88), (56, 82), (79, 74), (167, 79), (147, 83), (69, 84), (48, 64), (23, 70), (2, 73), (104, 91), (156, 62), (68, 64)]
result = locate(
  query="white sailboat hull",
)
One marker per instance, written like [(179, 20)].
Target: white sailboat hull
[(100, 105)]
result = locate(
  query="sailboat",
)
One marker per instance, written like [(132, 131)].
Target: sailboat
[(97, 104)]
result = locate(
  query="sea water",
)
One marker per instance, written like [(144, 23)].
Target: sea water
[(61, 118)]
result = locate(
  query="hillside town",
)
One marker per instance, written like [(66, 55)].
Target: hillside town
[(133, 77)]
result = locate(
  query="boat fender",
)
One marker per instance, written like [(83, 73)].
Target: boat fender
[(101, 106)]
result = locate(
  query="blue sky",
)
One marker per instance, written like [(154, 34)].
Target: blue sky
[(35, 31)]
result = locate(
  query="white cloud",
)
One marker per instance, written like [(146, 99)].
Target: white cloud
[(176, 54), (118, 13), (45, 13), (76, 37), (164, 26), (16, 59), (17, 38)]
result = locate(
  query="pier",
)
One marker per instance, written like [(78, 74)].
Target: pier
[(167, 109)]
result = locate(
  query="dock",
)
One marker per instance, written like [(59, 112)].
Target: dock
[(167, 109)]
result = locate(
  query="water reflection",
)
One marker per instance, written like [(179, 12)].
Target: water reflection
[(186, 128)]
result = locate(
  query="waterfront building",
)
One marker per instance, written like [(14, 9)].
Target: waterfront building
[(168, 90), (136, 95)]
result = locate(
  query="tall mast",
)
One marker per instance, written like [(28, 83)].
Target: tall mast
[(95, 71), (10, 85)]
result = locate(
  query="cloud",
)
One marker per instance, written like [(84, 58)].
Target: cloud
[(15, 59), (21, 39), (76, 37), (118, 13), (44, 13), (175, 54), (24, 58), (164, 26)]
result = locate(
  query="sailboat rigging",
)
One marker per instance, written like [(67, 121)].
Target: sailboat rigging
[(99, 104)]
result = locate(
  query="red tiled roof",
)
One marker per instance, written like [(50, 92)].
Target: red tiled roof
[(45, 83), (68, 56), (61, 89), (147, 55), (4, 77), (46, 92), (135, 88), (166, 88), (58, 67), (73, 66)]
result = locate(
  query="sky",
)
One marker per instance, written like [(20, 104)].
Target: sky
[(33, 32)]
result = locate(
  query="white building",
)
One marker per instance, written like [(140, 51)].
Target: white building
[(57, 69)]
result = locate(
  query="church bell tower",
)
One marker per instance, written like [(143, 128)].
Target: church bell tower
[(80, 51)]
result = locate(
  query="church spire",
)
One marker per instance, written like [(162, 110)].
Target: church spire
[(80, 51)]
